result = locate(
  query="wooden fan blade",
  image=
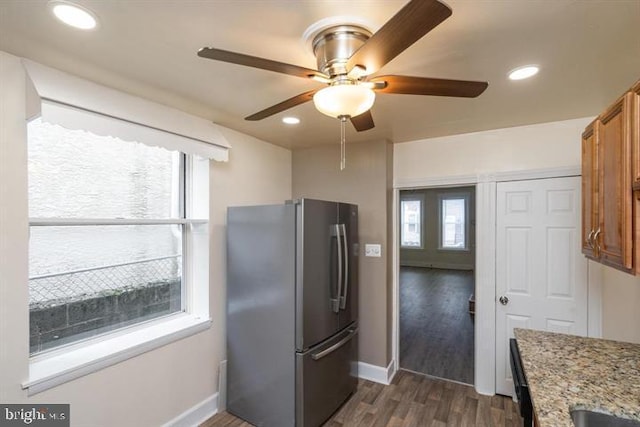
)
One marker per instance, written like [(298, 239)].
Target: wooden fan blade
[(363, 122), (255, 62), (284, 105), (428, 86), (413, 21)]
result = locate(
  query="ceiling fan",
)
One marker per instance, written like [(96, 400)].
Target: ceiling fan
[(347, 55)]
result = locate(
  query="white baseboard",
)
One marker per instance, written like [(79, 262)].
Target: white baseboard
[(197, 414), (222, 386), (204, 410), (442, 265), (378, 374)]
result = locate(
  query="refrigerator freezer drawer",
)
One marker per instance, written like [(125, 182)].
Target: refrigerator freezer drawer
[(326, 375)]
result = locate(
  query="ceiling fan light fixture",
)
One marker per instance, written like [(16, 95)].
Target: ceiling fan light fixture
[(524, 72), (342, 100)]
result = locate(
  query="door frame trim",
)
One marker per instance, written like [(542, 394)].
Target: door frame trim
[(485, 267)]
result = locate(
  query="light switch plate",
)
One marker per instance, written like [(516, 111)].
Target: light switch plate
[(372, 250)]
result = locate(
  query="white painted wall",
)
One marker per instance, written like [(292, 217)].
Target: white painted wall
[(257, 173), (620, 306), (155, 387), (541, 146), (475, 158), (595, 276)]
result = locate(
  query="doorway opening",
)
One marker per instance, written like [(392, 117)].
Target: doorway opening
[(437, 282)]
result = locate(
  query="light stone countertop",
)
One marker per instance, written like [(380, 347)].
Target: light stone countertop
[(566, 372)]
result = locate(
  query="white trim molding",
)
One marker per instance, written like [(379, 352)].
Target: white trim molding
[(204, 410), (449, 181), (485, 293), (70, 222), (463, 180), (443, 265), (378, 374), (395, 282), (65, 364), (485, 332), (538, 174), (485, 284), (197, 414)]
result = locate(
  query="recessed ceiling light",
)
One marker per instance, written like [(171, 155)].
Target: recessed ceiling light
[(524, 72), (73, 15), (291, 120)]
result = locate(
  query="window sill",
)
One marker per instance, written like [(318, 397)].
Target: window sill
[(58, 367)]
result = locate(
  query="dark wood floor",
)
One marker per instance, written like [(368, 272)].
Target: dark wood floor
[(411, 400), (436, 329)]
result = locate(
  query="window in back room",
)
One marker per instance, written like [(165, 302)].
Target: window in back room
[(411, 223), (453, 225)]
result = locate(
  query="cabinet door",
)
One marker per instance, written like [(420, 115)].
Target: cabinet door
[(589, 189), (635, 134), (614, 234), (635, 149)]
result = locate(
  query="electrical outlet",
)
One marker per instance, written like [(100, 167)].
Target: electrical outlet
[(372, 250)]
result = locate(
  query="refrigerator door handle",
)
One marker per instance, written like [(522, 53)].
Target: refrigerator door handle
[(328, 351), (345, 286), (335, 303)]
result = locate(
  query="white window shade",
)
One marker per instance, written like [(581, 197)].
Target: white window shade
[(75, 103)]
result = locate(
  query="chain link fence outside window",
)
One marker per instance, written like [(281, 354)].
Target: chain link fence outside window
[(53, 289)]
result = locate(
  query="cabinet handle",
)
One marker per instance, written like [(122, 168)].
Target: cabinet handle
[(589, 237), (596, 243)]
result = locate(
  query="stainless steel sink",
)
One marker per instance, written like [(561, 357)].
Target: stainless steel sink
[(584, 418)]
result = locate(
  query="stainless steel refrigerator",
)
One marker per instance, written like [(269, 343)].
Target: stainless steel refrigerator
[(292, 309)]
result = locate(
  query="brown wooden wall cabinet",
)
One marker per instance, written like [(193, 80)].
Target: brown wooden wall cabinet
[(635, 148), (611, 185), (589, 189), (635, 134)]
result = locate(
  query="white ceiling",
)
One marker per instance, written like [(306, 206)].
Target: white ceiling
[(589, 51)]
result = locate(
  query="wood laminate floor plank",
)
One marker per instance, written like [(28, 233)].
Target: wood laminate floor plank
[(436, 328), (411, 400)]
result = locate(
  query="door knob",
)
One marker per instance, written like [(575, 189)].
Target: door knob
[(503, 300)]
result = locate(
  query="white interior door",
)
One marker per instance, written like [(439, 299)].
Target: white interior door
[(541, 275)]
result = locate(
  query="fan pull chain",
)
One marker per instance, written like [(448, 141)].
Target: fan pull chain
[(343, 151)]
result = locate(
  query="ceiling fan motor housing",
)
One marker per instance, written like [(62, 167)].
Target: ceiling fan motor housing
[(333, 46), (347, 56)]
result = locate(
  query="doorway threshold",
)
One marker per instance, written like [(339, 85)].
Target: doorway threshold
[(422, 374)]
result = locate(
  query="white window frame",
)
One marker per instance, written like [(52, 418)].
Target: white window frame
[(448, 196), (64, 363), (59, 365), (412, 198)]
